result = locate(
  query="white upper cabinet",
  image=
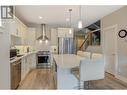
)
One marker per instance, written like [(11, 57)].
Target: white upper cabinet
[(24, 34), (12, 27), (54, 37), (32, 37), (19, 30), (15, 27), (65, 32)]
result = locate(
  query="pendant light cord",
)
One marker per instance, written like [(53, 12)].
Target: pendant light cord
[(70, 10), (80, 12)]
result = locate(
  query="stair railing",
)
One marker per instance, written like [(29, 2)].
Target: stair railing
[(84, 43)]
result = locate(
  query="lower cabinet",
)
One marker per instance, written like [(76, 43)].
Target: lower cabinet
[(33, 61), (28, 63)]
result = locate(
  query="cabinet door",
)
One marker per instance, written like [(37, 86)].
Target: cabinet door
[(27, 64), (25, 29), (68, 34), (17, 27), (12, 27), (61, 32), (64, 32), (31, 38), (54, 37), (22, 27), (23, 69), (33, 61)]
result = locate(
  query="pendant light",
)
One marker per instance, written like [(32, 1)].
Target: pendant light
[(70, 30), (46, 41), (80, 21)]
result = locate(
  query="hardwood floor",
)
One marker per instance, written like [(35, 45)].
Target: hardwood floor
[(38, 79), (109, 83), (43, 79)]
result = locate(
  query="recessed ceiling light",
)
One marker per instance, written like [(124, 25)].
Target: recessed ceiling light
[(67, 19), (40, 17)]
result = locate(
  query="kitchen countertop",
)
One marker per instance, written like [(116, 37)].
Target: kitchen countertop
[(67, 60), (24, 55)]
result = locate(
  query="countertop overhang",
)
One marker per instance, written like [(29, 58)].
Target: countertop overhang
[(24, 55), (67, 60)]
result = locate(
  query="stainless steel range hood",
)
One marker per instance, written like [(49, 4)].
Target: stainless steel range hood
[(43, 37)]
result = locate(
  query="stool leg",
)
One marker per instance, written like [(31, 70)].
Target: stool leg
[(87, 84), (81, 84)]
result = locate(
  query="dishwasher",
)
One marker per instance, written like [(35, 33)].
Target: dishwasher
[(15, 74)]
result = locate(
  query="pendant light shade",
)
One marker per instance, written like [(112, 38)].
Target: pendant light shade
[(40, 41), (79, 24), (70, 31), (46, 41), (80, 21)]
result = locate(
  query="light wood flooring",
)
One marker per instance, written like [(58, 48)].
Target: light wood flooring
[(43, 79), (38, 79), (109, 83)]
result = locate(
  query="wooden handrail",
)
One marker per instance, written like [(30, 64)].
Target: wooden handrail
[(87, 37), (84, 42)]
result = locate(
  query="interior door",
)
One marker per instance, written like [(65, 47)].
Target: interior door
[(110, 49)]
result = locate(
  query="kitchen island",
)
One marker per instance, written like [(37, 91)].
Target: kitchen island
[(65, 62)]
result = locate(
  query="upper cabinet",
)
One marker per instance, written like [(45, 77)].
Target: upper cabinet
[(24, 34), (12, 27), (54, 37), (65, 32), (31, 39), (18, 30), (15, 27)]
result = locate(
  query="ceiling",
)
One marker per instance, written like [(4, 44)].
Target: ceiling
[(56, 15)]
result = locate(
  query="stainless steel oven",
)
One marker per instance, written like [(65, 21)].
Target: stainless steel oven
[(43, 59)]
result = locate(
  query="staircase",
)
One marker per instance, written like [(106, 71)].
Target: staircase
[(90, 40), (89, 36), (85, 43)]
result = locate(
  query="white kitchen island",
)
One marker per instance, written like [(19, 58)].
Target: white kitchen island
[(65, 62)]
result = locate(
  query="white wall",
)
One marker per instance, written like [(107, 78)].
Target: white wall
[(42, 46), (94, 49), (39, 30), (118, 17), (4, 57)]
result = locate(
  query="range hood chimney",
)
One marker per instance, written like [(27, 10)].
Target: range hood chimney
[(43, 36)]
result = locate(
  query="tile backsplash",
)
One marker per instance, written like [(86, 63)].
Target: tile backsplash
[(24, 49)]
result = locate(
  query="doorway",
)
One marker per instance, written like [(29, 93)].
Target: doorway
[(110, 49)]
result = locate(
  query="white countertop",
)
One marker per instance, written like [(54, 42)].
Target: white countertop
[(67, 60), (18, 58)]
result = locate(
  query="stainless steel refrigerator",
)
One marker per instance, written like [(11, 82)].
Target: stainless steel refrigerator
[(65, 45)]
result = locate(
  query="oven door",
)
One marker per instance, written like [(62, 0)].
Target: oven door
[(43, 59)]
